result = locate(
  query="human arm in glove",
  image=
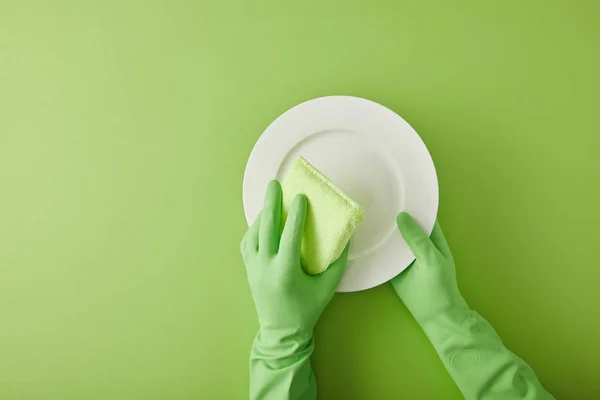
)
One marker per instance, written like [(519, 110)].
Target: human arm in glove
[(472, 352), (288, 301)]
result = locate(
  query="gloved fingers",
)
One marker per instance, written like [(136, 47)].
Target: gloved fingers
[(417, 240), (250, 240), (293, 231), (439, 240), (270, 222), (333, 274)]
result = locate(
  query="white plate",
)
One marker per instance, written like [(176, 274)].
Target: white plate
[(373, 155)]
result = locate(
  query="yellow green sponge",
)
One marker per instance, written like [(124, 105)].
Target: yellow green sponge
[(331, 218)]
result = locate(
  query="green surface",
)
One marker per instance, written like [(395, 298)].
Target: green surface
[(124, 131)]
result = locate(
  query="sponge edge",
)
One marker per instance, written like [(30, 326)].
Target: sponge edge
[(331, 219)]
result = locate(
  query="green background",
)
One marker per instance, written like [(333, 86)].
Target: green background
[(125, 127)]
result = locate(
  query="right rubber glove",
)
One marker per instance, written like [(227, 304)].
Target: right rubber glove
[(472, 352)]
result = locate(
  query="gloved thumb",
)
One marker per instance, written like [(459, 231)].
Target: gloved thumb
[(333, 274), (414, 236)]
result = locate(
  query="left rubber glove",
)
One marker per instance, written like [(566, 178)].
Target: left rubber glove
[(288, 301)]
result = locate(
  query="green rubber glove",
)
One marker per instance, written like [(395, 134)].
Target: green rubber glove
[(472, 352), (288, 301)]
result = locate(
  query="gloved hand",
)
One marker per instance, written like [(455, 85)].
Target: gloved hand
[(429, 285), (288, 301), (472, 352)]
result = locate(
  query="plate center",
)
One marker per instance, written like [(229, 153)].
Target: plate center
[(365, 172)]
